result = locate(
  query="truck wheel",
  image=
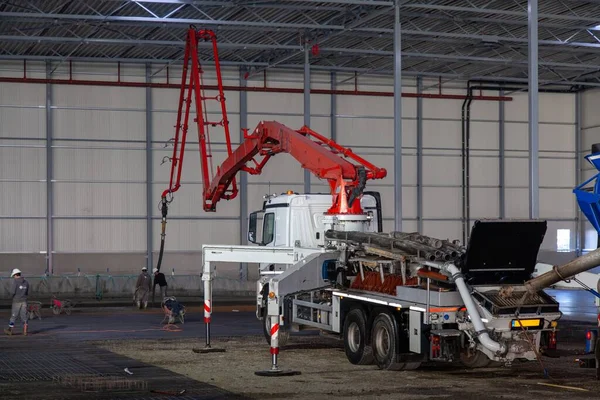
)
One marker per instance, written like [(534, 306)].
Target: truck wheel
[(284, 334), (474, 359), (384, 338), (358, 349)]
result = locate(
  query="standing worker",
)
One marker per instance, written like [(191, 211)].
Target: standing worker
[(20, 290), (161, 281), (142, 288)]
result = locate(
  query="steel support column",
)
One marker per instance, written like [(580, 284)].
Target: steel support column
[(419, 156), (397, 120), (501, 159), (49, 176), (149, 175), (333, 108), (534, 139), (243, 182), (306, 108), (580, 226)]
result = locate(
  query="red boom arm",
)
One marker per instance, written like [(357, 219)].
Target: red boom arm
[(323, 157)]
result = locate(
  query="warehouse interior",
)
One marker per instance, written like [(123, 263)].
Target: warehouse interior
[(89, 94), (475, 110)]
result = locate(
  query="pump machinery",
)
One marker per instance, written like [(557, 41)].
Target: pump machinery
[(396, 299)]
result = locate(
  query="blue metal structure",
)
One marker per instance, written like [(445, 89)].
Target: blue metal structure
[(588, 198)]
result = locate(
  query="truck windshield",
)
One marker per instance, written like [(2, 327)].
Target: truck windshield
[(268, 228)]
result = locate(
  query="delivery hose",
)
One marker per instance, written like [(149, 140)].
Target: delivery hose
[(164, 208)]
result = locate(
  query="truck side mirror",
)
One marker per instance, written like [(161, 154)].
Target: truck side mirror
[(252, 227)]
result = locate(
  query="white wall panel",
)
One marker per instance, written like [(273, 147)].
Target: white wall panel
[(516, 136), (557, 137), (185, 235), (517, 203), (23, 94), (320, 104), (23, 163), (485, 202), (22, 122), (447, 134), (355, 132), (442, 109), (589, 108), (590, 136), (291, 121), (517, 108), (442, 202), (99, 199), (97, 164), (273, 103), (484, 135), (484, 110), (441, 170), (557, 203), (557, 107), (22, 235), (516, 172), (367, 106), (99, 96), (557, 172), (18, 199), (482, 171), (99, 235), (99, 124)]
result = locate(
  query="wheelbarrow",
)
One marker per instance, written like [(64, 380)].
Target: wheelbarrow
[(58, 306)]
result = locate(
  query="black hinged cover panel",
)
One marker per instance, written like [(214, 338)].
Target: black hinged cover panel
[(502, 251)]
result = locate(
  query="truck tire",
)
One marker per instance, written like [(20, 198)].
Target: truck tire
[(358, 349), (284, 334), (384, 339), (474, 359)]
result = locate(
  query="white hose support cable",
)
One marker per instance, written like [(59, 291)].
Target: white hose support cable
[(480, 329)]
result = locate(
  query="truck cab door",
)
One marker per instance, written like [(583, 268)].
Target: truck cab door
[(261, 234)]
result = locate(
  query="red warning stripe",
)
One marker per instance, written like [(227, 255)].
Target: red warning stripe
[(274, 350), (274, 329), (207, 307)]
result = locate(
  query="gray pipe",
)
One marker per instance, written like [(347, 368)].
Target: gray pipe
[(580, 264), (483, 336)]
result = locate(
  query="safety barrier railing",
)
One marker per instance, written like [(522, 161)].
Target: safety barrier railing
[(105, 286)]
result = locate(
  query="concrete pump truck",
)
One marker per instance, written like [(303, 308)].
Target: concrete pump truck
[(396, 299)]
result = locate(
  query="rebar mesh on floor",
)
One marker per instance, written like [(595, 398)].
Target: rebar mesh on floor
[(95, 383), (28, 367)]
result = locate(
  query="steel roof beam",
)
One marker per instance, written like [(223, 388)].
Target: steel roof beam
[(277, 26), (299, 49)]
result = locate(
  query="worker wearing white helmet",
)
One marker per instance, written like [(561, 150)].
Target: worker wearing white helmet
[(142, 288), (20, 291)]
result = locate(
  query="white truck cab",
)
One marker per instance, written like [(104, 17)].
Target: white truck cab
[(293, 219)]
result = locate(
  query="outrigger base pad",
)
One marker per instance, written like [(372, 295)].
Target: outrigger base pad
[(208, 350), (277, 372)]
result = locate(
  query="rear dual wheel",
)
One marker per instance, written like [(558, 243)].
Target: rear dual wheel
[(385, 342), (356, 342)]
